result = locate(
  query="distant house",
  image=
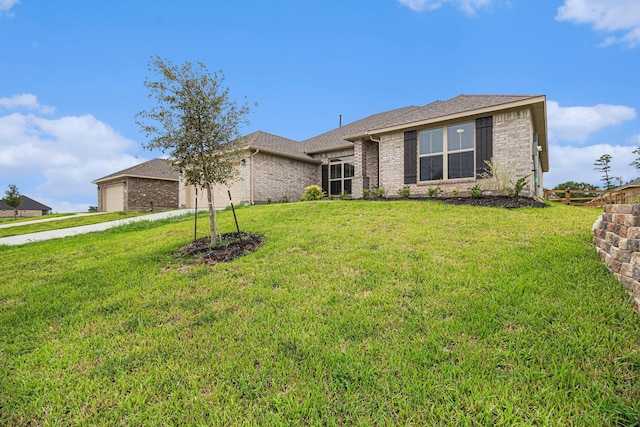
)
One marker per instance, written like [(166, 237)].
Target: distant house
[(444, 143), (28, 207)]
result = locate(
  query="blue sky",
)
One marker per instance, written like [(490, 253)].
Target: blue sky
[(72, 74)]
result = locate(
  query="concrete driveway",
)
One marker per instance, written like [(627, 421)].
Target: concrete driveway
[(66, 232)]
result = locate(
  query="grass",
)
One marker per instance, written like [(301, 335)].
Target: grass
[(353, 312), (10, 219), (65, 223)]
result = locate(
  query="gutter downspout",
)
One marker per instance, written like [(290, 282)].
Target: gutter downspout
[(252, 179)]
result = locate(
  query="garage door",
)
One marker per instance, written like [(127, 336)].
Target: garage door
[(220, 196), (115, 199)]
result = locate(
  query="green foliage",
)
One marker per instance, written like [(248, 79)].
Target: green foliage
[(284, 199), (499, 176), (518, 186), (196, 123), (13, 198), (312, 192), (93, 209), (455, 192), (603, 165), (345, 196), (380, 192), (405, 192), (434, 191), (269, 200), (476, 191), (366, 193), (382, 317), (636, 162)]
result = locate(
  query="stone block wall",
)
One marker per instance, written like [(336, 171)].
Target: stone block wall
[(617, 240)]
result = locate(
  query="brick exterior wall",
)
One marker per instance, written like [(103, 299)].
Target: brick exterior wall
[(21, 213), (617, 240), (139, 193), (143, 194), (278, 177), (512, 144)]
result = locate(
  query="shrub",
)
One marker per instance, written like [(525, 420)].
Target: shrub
[(476, 191), (345, 196), (518, 186), (404, 192), (366, 192), (312, 192), (434, 191), (380, 191), (499, 177), (455, 192), (284, 199)]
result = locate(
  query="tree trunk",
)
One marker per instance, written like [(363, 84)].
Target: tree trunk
[(212, 216)]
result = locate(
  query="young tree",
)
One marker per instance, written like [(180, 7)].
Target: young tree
[(636, 162), (603, 164), (196, 122), (572, 185), (13, 198)]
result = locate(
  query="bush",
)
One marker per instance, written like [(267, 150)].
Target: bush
[(518, 186), (405, 192), (380, 192), (434, 191), (312, 192), (476, 191)]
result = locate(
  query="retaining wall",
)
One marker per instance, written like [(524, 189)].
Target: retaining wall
[(617, 240)]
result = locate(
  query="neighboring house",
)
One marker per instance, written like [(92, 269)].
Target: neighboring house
[(445, 144), (28, 207), (150, 186), (627, 193)]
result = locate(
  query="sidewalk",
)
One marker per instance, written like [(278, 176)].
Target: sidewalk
[(66, 232)]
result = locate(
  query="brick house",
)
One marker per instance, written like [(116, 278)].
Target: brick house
[(27, 208), (444, 143)]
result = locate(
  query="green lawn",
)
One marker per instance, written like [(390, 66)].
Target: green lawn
[(10, 220), (73, 221), (353, 312)]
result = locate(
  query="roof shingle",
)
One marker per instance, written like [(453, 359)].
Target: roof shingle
[(156, 169)]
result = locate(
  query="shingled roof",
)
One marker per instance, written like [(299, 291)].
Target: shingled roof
[(27, 204), (277, 145), (154, 169), (335, 138)]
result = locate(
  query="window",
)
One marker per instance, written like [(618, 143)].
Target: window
[(447, 153), (341, 171)]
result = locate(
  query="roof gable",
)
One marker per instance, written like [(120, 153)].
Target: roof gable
[(153, 169)]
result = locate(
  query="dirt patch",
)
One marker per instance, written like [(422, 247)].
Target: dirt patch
[(495, 201), (232, 246)]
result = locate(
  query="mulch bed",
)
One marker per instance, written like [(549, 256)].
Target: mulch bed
[(495, 201), (232, 246)]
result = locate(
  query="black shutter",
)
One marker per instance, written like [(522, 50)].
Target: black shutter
[(410, 157), (484, 143), (325, 178)]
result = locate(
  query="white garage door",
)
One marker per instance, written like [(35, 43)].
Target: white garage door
[(114, 199)]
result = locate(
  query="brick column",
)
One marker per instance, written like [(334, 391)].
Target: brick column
[(357, 184)]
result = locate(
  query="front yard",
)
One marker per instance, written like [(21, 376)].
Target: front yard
[(352, 312)]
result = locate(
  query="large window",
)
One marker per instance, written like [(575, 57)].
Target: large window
[(447, 153), (341, 171)]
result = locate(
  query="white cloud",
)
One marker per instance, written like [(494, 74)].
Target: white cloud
[(6, 5), (578, 123), (467, 6), (571, 163), (609, 16), (26, 101), (635, 139), (57, 158)]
